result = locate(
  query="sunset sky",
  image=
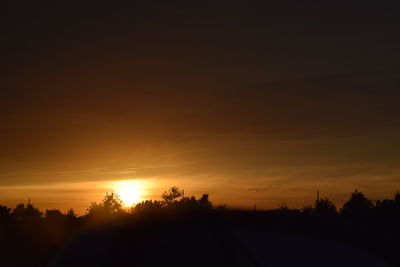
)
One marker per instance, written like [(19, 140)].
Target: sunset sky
[(249, 101)]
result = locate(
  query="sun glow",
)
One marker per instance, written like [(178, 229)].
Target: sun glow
[(130, 191)]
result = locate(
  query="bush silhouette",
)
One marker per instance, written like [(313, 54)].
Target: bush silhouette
[(325, 207)]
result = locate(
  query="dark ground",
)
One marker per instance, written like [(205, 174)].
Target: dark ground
[(199, 246)]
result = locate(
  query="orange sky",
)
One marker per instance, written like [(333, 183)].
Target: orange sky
[(240, 175), (252, 103)]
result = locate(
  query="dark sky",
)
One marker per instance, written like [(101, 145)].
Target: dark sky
[(263, 100)]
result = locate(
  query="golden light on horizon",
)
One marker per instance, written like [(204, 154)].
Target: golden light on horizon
[(130, 191)]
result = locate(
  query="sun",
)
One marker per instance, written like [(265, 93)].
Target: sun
[(130, 191)]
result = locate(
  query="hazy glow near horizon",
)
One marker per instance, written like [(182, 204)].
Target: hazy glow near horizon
[(130, 191)]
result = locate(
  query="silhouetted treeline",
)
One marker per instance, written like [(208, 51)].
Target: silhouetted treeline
[(30, 237)]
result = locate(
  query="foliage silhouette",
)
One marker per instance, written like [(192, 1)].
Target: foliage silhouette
[(397, 199), (148, 206), (27, 213), (173, 201), (4, 211), (372, 226), (53, 214), (325, 207), (109, 206), (71, 213), (358, 206), (171, 195)]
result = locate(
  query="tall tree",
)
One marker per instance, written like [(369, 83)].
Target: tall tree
[(357, 206)]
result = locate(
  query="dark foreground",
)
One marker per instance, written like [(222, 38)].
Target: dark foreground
[(182, 231), (200, 246), (212, 238)]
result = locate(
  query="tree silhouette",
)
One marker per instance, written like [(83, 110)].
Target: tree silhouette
[(41, 236), (357, 206), (283, 206), (26, 213), (325, 207), (5, 215), (53, 214), (147, 206), (397, 199), (204, 201), (171, 195), (110, 205), (4, 211), (307, 209), (71, 213)]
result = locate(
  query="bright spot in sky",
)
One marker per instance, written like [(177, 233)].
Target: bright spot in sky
[(130, 191)]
